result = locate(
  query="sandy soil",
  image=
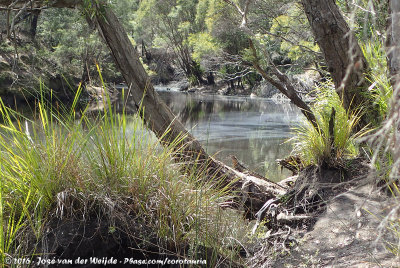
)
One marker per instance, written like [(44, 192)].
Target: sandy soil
[(347, 234)]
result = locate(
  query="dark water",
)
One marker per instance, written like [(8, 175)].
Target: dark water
[(254, 130)]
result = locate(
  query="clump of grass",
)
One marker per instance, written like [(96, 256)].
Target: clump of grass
[(107, 163), (381, 89), (319, 146)]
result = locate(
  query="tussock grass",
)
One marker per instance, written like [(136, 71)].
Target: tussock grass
[(317, 146), (380, 90), (58, 166)]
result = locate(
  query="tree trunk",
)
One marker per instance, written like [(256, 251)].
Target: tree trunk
[(342, 53), (34, 20), (156, 113)]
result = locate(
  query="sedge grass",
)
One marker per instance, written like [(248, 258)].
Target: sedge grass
[(381, 89), (112, 162), (314, 145)]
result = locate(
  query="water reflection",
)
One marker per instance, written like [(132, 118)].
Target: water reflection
[(255, 130)]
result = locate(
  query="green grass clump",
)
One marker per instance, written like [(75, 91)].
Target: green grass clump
[(380, 90), (317, 146), (112, 164)]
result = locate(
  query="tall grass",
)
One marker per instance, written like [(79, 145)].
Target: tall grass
[(317, 145), (380, 90), (107, 162)]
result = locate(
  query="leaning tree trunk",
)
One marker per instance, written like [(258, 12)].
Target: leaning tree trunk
[(155, 112), (254, 191), (343, 55)]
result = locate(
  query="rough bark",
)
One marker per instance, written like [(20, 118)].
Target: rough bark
[(342, 54)]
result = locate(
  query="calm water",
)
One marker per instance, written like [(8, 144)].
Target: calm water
[(254, 130)]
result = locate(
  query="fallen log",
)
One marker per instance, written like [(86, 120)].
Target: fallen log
[(283, 218)]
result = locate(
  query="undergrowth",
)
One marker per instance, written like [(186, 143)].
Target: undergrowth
[(320, 145), (57, 165), (380, 90)]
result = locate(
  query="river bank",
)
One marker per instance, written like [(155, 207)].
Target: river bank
[(117, 194)]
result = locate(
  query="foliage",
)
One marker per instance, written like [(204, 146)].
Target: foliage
[(71, 44), (203, 45), (381, 90), (287, 38), (368, 18), (318, 146), (99, 162)]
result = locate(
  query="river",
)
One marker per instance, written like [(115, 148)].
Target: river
[(255, 130)]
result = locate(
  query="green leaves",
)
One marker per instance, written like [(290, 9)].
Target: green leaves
[(315, 146), (203, 45)]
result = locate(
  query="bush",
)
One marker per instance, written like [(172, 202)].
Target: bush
[(318, 146)]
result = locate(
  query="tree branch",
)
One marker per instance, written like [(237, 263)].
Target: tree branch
[(283, 85)]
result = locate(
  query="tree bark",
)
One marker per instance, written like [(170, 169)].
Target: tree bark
[(342, 54)]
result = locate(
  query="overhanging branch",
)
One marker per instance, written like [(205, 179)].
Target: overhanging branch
[(38, 4)]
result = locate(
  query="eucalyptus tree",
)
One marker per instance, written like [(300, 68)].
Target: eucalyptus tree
[(343, 56)]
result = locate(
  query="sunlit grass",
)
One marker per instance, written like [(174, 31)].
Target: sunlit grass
[(317, 146), (380, 90), (102, 162)]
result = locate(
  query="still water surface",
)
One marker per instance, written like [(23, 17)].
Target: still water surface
[(255, 130), (252, 129)]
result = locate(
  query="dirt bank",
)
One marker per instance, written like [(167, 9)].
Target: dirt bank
[(347, 234)]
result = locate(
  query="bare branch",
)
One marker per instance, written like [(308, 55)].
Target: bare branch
[(235, 6), (40, 3), (19, 13), (283, 84)]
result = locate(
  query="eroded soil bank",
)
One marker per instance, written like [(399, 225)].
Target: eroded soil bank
[(348, 234)]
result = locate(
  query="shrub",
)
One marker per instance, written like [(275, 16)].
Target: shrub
[(318, 146)]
